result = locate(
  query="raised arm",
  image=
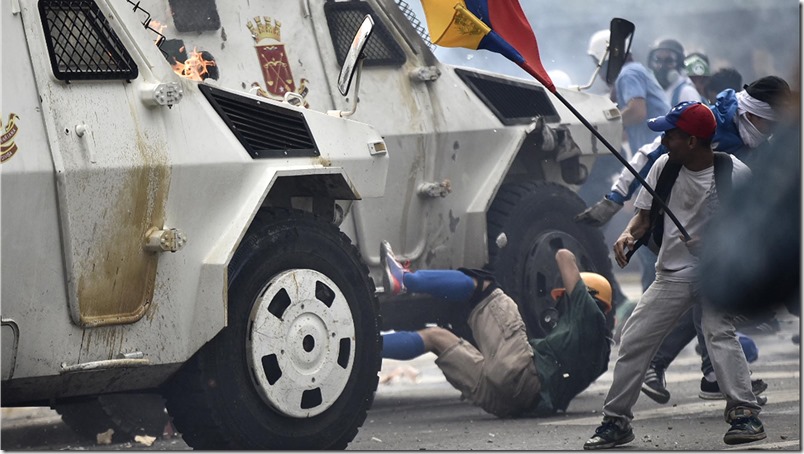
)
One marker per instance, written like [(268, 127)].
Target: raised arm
[(568, 267)]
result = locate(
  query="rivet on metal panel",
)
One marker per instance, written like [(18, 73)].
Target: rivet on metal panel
[(162, 240), (434, 190)]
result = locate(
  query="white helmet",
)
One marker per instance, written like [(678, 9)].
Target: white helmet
[(598, 44)]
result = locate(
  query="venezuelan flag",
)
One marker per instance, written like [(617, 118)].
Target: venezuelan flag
[(496, 25)]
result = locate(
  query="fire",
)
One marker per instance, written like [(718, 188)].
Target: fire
[(195, 67), (159, 28)]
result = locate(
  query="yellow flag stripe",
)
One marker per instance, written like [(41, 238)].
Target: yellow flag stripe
[(454, 27)]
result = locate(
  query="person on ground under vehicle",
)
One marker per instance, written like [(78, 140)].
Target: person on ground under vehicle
[(508, 374), (688, 131)]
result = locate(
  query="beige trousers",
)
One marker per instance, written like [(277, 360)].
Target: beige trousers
[(500, 377)]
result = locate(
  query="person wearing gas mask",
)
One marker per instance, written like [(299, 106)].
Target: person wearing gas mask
[(666, 60)]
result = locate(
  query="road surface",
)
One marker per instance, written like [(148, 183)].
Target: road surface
[(416, 409)]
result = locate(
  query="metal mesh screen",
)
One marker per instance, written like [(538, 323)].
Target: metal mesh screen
[(344, 18), (81, 43), (415, 22), (512, 102)]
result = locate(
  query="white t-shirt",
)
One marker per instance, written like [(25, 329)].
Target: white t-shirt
[(693, 199)]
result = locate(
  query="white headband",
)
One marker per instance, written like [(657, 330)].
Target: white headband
[(748, 103)]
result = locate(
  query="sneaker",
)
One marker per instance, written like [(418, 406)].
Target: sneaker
[(711, 390), (745, 428), (609, 435), (393, 271), (654, 385)]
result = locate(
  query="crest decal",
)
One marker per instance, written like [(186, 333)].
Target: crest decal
[(7, 145), (274, 62)]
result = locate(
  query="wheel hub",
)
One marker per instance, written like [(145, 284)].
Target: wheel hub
[(301, 343)]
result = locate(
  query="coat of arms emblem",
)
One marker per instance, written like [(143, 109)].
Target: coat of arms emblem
[(273, 58)]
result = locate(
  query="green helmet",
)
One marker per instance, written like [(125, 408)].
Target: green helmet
[(697, 64)]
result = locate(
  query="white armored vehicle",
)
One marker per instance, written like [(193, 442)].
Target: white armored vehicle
[(194, 238), (163, 234)]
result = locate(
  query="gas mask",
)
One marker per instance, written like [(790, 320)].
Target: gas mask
[(666, 76)]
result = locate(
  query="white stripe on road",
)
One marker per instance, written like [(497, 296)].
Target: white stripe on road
[(604, 381), (677, 410), (779, 445)]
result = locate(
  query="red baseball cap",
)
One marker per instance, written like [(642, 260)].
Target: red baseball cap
[(691, 117)]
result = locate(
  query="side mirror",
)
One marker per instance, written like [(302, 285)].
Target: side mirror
[(621, 34), (354, 59)]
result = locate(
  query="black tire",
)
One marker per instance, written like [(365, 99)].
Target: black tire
[(128, 414), (537, 219), (219, 401)]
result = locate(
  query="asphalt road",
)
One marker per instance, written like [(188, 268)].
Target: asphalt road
[(427, 414), (416, 409)]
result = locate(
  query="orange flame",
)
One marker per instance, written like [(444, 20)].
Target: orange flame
[(158, 27), (195, 67)]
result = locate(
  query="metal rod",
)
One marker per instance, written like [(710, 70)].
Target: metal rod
[(626, 164)]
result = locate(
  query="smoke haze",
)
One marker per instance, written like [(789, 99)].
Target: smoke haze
[(756, 37)]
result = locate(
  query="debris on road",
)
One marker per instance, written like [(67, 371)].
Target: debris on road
[(105, 438)]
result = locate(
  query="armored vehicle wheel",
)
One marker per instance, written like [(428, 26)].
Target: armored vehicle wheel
[(297, 366), (537, 220), (128, 414)]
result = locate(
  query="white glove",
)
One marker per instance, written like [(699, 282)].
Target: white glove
[(599, 213)]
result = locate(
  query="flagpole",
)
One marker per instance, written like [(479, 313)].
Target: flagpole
[(616, 154)]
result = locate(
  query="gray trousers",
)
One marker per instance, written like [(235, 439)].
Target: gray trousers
[(501, 376), (662, 304)]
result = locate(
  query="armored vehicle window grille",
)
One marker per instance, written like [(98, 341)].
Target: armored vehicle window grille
[(81, 44), (511, 101), (415, 22), (344, 18), (264, 129)]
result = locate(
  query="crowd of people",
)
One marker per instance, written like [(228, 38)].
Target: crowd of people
[(713, 121), (700, 139)]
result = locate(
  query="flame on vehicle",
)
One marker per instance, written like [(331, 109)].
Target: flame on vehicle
[(198, 65), (159, 28)]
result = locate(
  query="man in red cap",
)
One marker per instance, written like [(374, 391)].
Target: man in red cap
[(687, 134)]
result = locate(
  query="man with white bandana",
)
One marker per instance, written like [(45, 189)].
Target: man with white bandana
[(746, 119)]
